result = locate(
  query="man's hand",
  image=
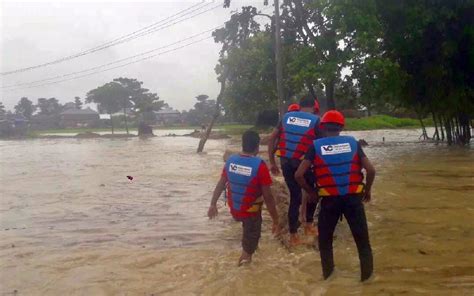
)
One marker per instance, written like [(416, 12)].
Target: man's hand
[(367, 195), (274, 169), (212, 212), (276, 229)]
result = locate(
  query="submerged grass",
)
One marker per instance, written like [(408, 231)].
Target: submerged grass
[(383, 122), (353, 124)]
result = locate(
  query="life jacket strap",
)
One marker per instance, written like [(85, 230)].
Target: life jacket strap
[(242, 184), (335, 164), (340, 185), (311, 137), (340, 174)]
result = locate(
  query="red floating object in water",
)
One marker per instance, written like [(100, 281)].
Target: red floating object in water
[(130, 178)]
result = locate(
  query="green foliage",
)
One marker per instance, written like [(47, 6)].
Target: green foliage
[(122, 93), (25, 107), (78, 102), (49, 106), (202, 112), (251, 81), (108, 97), (380, 122)]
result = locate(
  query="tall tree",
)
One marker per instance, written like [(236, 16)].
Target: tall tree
[(107, 97), (125, 93), (25, 107), (78, 102), (49, 106), (431, 41), (326, 37)]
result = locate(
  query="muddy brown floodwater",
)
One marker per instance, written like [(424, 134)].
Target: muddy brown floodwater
[(72, 224)]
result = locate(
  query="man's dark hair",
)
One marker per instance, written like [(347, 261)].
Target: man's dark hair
[(332, 127), (307, 101), (250, 141)]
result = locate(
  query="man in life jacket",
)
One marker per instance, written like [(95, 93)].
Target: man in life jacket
[(337, 163), (248, 185), (294, 134)]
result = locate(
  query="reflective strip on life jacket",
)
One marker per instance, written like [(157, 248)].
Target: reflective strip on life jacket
[(296, 134), (243, 194), (337, 166)]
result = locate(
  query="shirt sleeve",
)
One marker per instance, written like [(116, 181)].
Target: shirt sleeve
[(360, 152), (263, 174), (311, 153), (224, 173)]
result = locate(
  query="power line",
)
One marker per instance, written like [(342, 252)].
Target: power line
[(111, 63), (115, 62), (126, 38), (123, 65)]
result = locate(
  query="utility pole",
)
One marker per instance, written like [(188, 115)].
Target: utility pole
[(278, 60)]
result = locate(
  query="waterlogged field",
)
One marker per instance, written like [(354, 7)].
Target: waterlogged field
[(71, 223)]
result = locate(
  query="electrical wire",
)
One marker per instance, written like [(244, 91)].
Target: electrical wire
[(126, 38)]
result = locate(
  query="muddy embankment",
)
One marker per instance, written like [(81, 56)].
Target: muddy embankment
[(215, 135), (88, 135)]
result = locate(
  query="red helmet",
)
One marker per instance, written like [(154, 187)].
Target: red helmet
[(316, 106), (293, 107), (333, 116)]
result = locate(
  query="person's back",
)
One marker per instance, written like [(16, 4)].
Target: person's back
[(337, 163), (337, 166), (297, 132), (244, 193), (292, 138), (248, 181)]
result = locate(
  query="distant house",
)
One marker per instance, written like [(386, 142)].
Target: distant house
[(167, 116), (13, 125), (42, 121), (73, 117), (128, 111)]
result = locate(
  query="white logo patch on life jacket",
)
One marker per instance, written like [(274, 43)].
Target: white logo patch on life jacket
[(336, 149), (240, 169), (298, 121)]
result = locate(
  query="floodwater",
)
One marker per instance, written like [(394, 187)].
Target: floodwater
[(71, 223)]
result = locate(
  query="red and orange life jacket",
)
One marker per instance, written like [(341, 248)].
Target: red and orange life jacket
[(296, 134), (243, 194), (337, 166)]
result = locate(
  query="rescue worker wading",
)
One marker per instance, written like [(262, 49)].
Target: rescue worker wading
[(248, 185), (337, 163), (294, 134)]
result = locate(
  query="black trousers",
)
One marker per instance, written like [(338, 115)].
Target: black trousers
[(251, 231), (289, 167), (331, 210)]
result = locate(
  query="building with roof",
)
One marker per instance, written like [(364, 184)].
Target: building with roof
[(167, 116), (73, 117)]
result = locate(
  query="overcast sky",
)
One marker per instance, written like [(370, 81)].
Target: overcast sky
[(34, 33)]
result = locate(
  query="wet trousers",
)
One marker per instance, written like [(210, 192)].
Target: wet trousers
[(331, 210), (251, 231), (289, 167)]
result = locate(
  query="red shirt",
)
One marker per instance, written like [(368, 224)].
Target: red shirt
[(263, 175)]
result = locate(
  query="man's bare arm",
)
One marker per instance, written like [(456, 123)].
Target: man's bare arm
[(299, 176), (212, 212), (369, 168), (271, 151), (270, 202)]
